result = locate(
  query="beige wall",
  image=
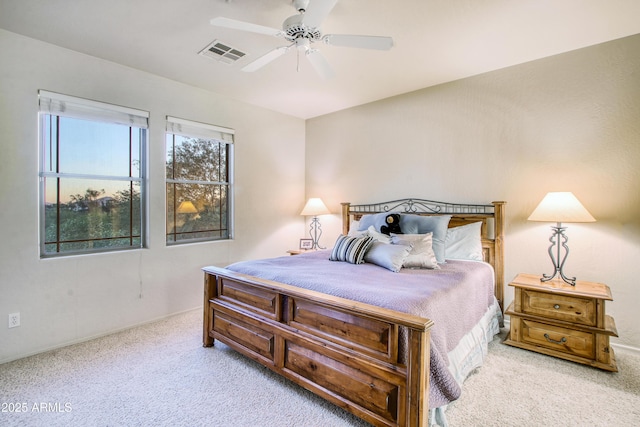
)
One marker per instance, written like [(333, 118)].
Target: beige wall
[(70, 299), (565, 123)]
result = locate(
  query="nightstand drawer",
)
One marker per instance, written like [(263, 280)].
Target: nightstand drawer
[(570, 309), (568, 341)]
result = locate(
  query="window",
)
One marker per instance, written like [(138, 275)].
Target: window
[(199, 181), (92, 180)]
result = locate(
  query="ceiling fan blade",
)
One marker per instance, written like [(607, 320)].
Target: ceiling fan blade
[(244, 26), (317, 11), (363, 42), (320, 64), (265, 59)]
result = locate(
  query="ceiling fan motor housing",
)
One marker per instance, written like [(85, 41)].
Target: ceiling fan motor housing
[(294, 29)]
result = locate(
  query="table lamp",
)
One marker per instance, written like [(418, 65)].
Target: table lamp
[(560, 207), (315, 207)]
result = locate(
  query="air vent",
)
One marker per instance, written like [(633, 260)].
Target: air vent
[(222, 52)]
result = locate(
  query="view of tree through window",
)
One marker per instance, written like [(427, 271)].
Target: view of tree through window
[(197, 188), (90, 185)]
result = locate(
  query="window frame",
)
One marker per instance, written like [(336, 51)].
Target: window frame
[(64, 106), (198, 130)]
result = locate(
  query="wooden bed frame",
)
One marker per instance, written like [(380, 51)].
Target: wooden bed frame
[(344, 351)]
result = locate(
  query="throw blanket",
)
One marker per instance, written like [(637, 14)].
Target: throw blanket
[(454, 297)]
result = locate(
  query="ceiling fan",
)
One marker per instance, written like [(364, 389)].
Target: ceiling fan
[(301, 31)]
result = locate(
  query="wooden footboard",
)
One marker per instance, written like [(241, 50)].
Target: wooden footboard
[(344, 351)]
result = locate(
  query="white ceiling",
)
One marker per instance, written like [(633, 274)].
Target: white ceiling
[(436, 41)]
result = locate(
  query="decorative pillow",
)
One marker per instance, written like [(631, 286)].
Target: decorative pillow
[(464, 242), (388, 256), (436, 224), (350, 249), (421, 255)]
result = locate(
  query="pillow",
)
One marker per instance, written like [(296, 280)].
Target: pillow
[(388, 256), (464, 242), (377, 236), (436, 224), (350, 249), (358, 233), (377, 220), (421, 255)]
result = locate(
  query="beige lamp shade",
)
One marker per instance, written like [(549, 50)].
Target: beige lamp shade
[(187, 207), (561, 206), (314, 207)]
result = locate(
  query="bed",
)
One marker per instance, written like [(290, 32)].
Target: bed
[(334, 328)]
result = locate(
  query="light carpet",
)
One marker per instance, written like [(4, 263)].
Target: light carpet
[(160, 375)]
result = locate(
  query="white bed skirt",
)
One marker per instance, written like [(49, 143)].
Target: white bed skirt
[(469, 354)]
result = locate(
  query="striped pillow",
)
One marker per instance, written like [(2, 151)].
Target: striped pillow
[(351, 249)]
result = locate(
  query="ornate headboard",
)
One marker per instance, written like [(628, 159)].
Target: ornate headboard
[(491, 216)]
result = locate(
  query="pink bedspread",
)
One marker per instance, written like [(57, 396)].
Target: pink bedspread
[(454, 298)]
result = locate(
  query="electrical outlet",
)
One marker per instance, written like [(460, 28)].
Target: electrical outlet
[(14, 320)]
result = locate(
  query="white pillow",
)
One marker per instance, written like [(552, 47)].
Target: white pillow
[(387, 255), (464, 242), (371, 231), (421, 255), (377, 236), (357, 233), (436, 224)]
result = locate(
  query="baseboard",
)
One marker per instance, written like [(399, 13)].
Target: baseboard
[(634, 350), (93, 337)]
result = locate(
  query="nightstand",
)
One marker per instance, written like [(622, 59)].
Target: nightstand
[(561, 320)]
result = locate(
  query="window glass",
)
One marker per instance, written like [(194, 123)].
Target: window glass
[(198, 187)]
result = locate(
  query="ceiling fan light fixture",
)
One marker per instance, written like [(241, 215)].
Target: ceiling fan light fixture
[(303, 44)]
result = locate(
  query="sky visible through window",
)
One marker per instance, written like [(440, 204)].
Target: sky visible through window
[(90, 148)]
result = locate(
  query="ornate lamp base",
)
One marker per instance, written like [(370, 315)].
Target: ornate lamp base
[(558, 233), (315, 231)]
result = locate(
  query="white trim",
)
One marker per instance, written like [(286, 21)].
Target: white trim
[(196, 129), (91, 103), (88, 176), (623, 347), (86, 109), (199, 124), (231, 191), (188, 181)]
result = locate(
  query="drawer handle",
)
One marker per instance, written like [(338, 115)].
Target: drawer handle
[(557, 307), (548, 338)]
